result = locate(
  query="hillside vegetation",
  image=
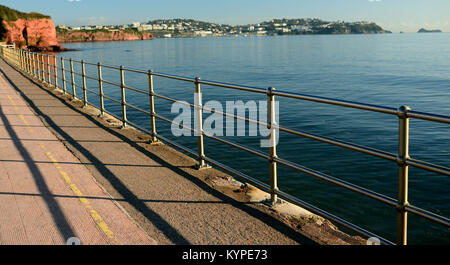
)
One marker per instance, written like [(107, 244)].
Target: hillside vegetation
[(9, 14)]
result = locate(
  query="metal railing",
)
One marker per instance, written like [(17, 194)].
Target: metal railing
[(45, 68)]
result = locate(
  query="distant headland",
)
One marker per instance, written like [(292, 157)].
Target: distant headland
[(167, 28), (422, 30)]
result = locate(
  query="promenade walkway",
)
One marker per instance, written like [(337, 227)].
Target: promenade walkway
[(46, 195), (64, 173)]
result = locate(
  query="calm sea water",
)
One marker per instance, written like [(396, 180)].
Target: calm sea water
[(390, 70)]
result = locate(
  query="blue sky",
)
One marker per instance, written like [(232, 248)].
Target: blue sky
[(395, 15)]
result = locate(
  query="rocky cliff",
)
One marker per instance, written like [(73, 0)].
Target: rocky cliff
[(28, 30), (101, 35), (36, 34)]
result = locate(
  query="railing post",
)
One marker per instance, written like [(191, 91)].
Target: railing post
[(22, 63), (403, 155), (199, 124), (25, 58), (124, 106), (43, 68), (63, 75), (273, 145), (38, 67), (55, 71), (72, 76), (30, 57), (48, 71), (100, 87), (83, 76), (40, 64), (19, 52), (151, 94), (27, 61), (35, 65), (22, 58)]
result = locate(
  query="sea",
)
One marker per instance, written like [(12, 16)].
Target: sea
[(390, 70)]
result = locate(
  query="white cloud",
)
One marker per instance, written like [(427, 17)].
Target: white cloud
[(73, 1), (375, 0)]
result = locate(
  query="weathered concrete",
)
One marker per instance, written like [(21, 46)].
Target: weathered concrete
[(158, 186)]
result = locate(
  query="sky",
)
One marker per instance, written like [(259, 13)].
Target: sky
[(394, 15)]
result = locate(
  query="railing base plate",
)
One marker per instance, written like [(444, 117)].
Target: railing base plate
[(270, 203), (199, 167), (154, 143)]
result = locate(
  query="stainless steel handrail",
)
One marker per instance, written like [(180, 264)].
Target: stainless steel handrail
[(30, 63)]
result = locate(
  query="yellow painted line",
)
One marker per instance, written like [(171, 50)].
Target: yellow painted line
[(26, 123), (94, 214), (52, 158), (12, 102), (42, 145), (20, 116), (23, 119)]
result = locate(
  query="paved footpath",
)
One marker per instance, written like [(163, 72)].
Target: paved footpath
[(48, 193), (44, 201)]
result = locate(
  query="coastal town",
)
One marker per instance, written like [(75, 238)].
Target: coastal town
[(168, 28)]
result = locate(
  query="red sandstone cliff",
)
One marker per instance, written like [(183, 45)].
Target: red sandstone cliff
[(87, 36), (37, 34)]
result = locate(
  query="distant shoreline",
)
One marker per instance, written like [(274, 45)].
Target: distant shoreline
[(240, 36), (209, 37)]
